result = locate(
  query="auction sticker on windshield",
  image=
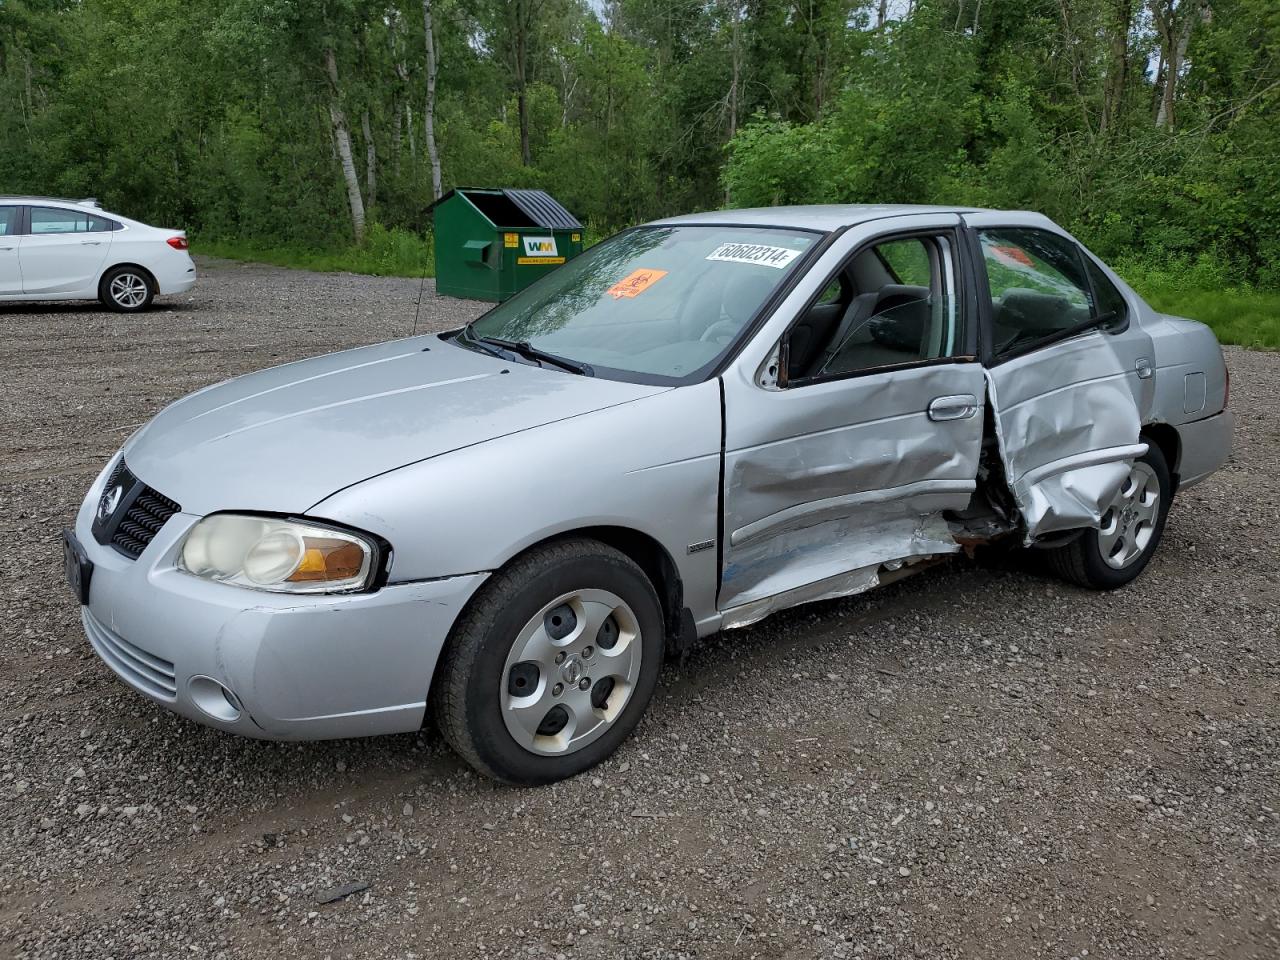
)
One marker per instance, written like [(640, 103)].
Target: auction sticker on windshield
[(635, 283), (754, 253)]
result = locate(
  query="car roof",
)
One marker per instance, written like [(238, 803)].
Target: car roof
[(88, 202), (830, 216)]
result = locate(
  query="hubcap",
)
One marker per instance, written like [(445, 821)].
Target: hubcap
[(585, 650), (129, 290), (1129, 523)]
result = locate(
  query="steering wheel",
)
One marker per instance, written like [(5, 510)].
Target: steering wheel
[(722, 331)]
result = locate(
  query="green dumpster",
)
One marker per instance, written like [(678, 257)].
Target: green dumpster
[(491, 242)]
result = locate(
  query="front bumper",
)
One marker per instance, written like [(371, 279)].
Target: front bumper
[(299, 667)]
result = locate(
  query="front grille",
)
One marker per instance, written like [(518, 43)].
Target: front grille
[(146, 671), (142, 521), (130, 513)]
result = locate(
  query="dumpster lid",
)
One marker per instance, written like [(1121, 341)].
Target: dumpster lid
[(541, 209)]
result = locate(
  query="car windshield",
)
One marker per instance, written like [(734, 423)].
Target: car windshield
[(660, 302)]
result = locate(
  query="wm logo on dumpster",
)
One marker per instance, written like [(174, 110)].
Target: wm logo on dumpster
[(540, 247)]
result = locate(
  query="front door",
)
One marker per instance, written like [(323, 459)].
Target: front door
[(1070, 374), (871, 431), (63, 251), (10, 273)]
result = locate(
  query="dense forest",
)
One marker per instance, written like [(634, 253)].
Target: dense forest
[(1150, 128)]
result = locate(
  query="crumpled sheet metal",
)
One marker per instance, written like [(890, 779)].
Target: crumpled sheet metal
[(810, 495), (808, 564), (1066, 452), (840, 585)]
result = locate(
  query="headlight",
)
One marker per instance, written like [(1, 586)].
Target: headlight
[(285, 556)]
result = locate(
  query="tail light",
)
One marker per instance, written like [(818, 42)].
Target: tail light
[(178, 243)]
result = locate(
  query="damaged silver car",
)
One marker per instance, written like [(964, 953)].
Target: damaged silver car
[(695, 423)]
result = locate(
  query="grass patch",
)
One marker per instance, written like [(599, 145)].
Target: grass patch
[(1250, 318), (386, 253)]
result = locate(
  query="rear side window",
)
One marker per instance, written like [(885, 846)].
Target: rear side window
[(1039, 287), (47, 220)]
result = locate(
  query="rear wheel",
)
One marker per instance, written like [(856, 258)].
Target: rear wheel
[(1132, 525), (552, 664), (126, 290)]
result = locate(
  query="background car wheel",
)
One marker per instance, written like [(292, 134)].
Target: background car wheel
[(126, 290), (552, 664), (1132, 525)]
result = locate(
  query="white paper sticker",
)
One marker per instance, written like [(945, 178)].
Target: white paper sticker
[(540, 247), (754, 253)]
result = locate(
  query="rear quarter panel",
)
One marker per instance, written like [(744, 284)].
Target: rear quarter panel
[(1191, 394), (1190, 374)]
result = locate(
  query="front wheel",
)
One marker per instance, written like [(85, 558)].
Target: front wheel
[(1120, 549), (126, 290), (552, 664)]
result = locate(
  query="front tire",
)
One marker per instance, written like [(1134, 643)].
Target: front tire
[(1132, 525), (126, 290), (552, 664)]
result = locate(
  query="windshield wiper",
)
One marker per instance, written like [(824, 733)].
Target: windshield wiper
[(523, 348)]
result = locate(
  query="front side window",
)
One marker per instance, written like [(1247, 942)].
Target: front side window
[(1039, 288), (47, 220), (661, 302), (897, 307), (8, 221), (1109, 304)]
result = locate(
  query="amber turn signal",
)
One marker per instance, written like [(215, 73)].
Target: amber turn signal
[(325, 558)]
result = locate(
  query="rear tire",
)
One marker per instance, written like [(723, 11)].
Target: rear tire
[(551, 665), (126, 289), (1132, 526)]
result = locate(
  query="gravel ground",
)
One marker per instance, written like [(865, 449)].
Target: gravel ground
[(978, 761)]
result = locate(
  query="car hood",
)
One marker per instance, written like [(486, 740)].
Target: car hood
[(283, 439)]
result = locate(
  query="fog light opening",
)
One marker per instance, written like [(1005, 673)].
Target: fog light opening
[(214, 699)]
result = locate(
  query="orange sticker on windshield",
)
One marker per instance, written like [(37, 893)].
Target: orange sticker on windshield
[(1014, 256), (635, 283)]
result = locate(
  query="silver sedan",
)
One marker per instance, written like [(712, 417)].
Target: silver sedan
[(697, 422)]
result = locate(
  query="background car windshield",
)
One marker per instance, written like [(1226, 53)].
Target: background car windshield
[(664, 301)]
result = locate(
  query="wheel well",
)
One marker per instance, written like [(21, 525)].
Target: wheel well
[(649, 555), (1166, 439), (151, 277)]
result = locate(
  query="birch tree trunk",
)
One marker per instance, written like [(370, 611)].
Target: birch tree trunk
[(523, 21), (1175, 25), (732, 97), (342, 140), (1117, 75), (429, 115), (370, 160)]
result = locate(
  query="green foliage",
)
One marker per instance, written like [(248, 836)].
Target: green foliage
[(1249, 318), (216, 116), (386, 253)]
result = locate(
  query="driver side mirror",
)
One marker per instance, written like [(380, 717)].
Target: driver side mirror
[(773, 374)]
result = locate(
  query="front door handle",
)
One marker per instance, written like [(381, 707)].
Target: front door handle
[(960, 406), (90, 243)]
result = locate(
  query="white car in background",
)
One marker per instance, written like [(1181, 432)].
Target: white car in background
[(73, 250)]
